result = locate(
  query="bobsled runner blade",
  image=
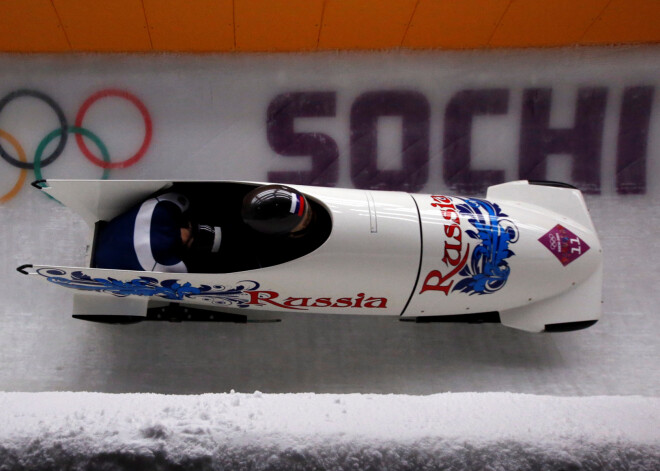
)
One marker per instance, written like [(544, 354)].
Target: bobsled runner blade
[(109, 319), (176, 313), (172, 313), (569, 326)]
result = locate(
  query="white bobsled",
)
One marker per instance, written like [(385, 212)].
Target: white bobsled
[(527, 256)]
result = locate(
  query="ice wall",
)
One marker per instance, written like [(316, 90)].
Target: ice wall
[(413, 121), (421, 122)]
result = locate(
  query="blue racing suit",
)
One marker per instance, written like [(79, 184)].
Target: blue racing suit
[(147, 237)]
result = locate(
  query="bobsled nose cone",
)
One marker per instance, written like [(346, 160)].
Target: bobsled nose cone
[(562, 281)]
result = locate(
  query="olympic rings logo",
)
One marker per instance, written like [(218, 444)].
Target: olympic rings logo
[(40, 161)]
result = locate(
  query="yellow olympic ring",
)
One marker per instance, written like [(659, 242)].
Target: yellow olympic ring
[(21, 156)]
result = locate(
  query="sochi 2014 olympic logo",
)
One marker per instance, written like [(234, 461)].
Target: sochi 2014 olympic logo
[(15, 155)]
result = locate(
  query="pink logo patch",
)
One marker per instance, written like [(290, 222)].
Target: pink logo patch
[(565, 245)]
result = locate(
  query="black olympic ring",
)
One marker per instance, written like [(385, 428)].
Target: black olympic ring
[(64, 126)]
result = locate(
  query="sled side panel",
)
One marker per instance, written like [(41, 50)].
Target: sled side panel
[(102, 200), (209, 290)]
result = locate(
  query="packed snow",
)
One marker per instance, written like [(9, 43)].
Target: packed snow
[(484, 431)]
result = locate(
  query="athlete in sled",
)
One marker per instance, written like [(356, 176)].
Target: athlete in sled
[(163, 233), (527, 256)]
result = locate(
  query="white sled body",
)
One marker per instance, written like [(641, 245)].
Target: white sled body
[(528, 252)]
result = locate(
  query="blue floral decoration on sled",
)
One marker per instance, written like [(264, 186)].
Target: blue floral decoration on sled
[(147, 286), (488, 269)]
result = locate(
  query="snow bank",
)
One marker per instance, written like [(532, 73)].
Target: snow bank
[(485, 431)]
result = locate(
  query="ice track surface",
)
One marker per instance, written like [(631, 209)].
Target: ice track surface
[(43, 349)]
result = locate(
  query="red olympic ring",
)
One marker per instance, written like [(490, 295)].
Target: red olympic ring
[(145, 116)]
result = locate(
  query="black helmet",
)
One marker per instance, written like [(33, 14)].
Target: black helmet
[(206, 238), (274, 209)]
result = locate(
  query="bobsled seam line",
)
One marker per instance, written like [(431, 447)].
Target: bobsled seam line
[(421, 254)]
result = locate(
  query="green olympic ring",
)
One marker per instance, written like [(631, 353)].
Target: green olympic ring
[(76, 130)]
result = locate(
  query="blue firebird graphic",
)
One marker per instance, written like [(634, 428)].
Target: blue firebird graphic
[(488, 269), (146, 286)]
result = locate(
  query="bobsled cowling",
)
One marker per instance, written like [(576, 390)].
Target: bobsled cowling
[(527, 251)]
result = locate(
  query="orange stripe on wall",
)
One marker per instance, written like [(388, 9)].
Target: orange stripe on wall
[(365, 24), (546, 23), (30, 26), (308, 25), (184, 25), (454, 24), (626, 21), (116, 25), (277, 25)]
